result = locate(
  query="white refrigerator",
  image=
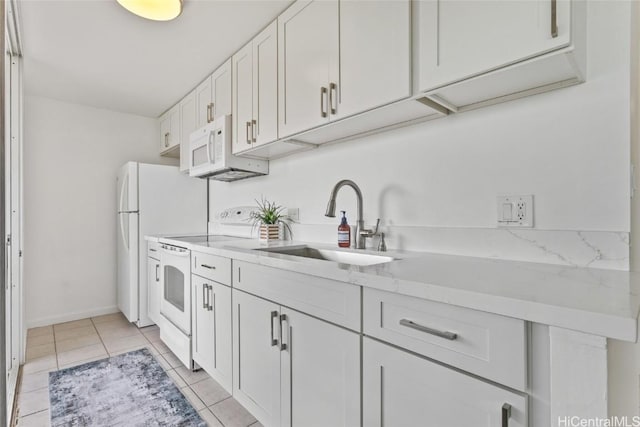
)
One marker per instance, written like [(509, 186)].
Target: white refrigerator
[(152, 199)]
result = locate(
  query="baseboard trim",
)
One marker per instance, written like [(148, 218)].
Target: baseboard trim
[(68, 317)]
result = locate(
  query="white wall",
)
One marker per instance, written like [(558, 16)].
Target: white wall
[(71, 157)]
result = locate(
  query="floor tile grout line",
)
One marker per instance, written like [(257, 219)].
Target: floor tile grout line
[(33, 413), (99, 336)]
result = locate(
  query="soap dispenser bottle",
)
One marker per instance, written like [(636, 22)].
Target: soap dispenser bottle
[(344, 232)]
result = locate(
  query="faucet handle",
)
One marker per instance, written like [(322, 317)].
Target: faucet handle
[(370, 233), (377, 225)]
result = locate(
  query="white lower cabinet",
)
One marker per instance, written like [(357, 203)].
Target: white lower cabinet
[(401, 389), (256, 357), (211, 327), (292, 369)]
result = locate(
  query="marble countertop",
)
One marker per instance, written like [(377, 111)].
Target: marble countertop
[(594, 301)]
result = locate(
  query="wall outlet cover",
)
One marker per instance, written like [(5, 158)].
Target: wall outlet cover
[(515, 211)]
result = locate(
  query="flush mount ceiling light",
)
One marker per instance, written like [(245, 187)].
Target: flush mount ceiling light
[(156, 10)]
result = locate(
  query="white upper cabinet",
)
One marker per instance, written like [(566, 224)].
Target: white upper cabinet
[(308, 64), (255, 91), (375, 54), (242, 93), (265, 85), (187, 125), (213, 96), (458, 40), (203, 102), (170, 131)]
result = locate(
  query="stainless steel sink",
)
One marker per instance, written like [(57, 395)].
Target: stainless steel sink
[(343, 257)]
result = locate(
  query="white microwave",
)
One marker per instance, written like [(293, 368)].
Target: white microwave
[(210, 154)]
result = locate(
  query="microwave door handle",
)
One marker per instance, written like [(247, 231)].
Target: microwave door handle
[(209, 144)]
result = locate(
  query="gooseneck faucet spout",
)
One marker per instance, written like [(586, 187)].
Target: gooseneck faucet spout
[(359, 237)]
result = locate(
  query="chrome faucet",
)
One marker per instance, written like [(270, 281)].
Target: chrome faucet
[(361, 233)]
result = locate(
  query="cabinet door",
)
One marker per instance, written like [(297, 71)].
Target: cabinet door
[(203, 103), (400, 389), (165, 130), (242, 67), (202, 322), (307, 64), (174, 131), (256, 357), (320, 368), (265, 85), (375, 55), (187, 125), (153, 289), (459, 39), (221, 90), (220, 305)]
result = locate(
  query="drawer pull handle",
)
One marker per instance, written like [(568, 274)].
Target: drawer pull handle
[(554, 19), (283, 345), (210, 267), (506, 414), (442, 334)]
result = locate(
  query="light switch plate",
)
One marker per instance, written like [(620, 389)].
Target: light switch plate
[(515, 211), (293, 214)]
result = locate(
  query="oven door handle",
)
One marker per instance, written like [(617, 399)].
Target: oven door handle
[(177, 251)]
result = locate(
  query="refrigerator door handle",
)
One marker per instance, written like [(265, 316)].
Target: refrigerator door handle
[(124, 190), (125, 234)]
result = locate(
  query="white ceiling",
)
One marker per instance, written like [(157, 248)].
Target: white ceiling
[(93, 52)]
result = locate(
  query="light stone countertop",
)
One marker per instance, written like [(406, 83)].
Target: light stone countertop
[(594, 301)]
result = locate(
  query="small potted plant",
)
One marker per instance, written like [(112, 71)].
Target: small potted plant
[(268, 218)]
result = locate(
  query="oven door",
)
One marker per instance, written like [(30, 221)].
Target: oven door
[(175, 303)]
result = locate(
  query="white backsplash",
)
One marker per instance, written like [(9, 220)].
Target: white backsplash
[(609, 250)]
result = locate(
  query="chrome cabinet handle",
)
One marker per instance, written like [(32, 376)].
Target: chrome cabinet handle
[(210, 267), (506, 414), (274, 341), (166, 139), (323, 93), (208, 113), (333, 88), (157, 276), (204, 295), (247, 133), (554, 18), (283, 318), (442, 334), (213, 106), (210, 306), (153, 250), (254, 132)]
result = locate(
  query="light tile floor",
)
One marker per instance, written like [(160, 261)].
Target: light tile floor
[(60, 346)]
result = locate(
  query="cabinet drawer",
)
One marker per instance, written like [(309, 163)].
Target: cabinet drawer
[(153, 250), (211, 267), (485, 344), (330, 300)]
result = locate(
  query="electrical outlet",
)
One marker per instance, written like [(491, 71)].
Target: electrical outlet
[(515, 211)]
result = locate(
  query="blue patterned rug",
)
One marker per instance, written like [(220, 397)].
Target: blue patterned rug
[(130, 389)]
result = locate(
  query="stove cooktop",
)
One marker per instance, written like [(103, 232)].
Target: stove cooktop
[(205, 238)]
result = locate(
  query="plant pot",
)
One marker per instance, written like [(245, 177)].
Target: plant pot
[(269, 232)]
